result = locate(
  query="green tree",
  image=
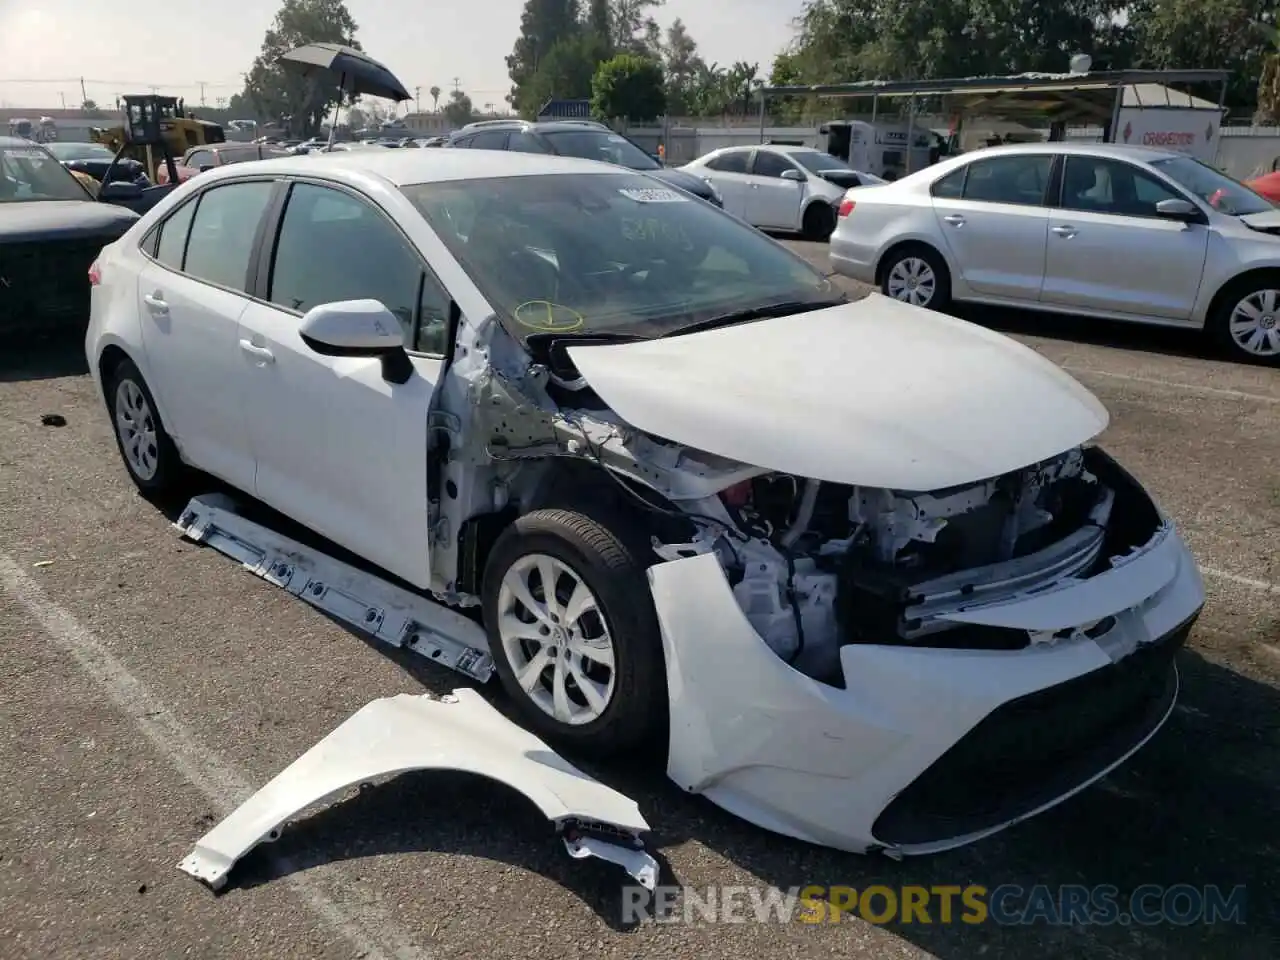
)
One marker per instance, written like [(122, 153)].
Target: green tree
[(459, 111), (629, 87), (566, 72), (681, 64), (435, 99), (543, 23), (599, 24), (634, 29), (1177, 33), (279, 92)]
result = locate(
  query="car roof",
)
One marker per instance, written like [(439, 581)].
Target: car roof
[(406, 167), (1115, 151), (7, 141)]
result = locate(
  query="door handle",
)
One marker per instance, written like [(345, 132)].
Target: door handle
[(954, 219), (155, 302), (1064, 230), (261, 354)]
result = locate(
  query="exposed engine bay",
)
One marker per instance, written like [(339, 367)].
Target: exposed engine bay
[(818, 565)]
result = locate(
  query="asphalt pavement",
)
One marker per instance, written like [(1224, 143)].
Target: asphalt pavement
[(147, 685)]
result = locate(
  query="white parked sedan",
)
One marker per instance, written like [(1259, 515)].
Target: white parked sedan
[(857, 561), (1099, 230), (781, 187)]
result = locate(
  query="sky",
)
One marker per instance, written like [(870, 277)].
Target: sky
[(47, 45)]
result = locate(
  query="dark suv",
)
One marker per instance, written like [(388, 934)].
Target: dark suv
[(576, 138)]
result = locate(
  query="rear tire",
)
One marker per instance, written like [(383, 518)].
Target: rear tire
[(819, 222), (1245, 324), (917, 275), (587, 669), (148, 452)]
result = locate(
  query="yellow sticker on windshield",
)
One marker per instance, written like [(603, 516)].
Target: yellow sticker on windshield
[(547, 317)]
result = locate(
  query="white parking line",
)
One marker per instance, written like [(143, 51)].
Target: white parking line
[(1243, 581), (371, 935), (1173, 384)]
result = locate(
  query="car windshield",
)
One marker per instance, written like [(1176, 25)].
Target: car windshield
[(601, 145), (1217, 189), (816, 162), (30, 173), (610, 253), (79, 151)]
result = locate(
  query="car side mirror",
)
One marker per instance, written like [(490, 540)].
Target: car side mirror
[(794, 175), (120, 190), (205, 167), (358, 328), (1183, 210)]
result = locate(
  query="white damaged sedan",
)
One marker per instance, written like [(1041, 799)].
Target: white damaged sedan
[(857, 562)]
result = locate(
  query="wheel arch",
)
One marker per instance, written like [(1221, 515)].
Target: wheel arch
[(1239, 281), (886, 257), (114, 353)]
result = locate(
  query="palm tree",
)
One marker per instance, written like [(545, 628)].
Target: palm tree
[(435, 99)]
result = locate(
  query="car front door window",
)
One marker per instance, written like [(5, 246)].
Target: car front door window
[(1102, 185), (769, 164), (334, 247)]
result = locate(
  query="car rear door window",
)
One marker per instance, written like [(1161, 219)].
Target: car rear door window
[(526, 143), (735, 162), (1019, 179), (223, 231), (950, 187), (334, 246), (490, 140), (173, 236)]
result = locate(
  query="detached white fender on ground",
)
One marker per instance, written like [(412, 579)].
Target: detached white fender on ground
[(459, 732)]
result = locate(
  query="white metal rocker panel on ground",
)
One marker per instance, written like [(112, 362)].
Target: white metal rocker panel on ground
[(390, 613), (461, 732)]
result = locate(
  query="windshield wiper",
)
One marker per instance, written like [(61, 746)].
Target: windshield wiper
[(783, 308)]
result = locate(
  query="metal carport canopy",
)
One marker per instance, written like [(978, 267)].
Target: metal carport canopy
[(1080, 97)]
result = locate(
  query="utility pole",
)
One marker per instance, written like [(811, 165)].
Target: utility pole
[(84, 97), (63, 97), (417, 99), (456, 84), (201, 84)]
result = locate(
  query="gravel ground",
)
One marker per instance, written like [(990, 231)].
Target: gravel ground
[(147, 685)]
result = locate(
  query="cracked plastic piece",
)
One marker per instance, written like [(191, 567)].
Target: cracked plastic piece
[(459, 732)]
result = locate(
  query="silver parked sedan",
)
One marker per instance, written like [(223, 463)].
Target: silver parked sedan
[(1099, 230)]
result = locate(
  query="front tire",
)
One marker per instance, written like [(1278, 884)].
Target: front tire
[(573, 632), (1246, 323), (916, 275), (145, 447)]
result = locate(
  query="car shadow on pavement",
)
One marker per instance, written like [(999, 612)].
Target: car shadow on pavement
[(49, 359), (1169, 341)]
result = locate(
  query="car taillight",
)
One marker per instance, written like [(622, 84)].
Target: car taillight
[(95, 274), (846, 207)]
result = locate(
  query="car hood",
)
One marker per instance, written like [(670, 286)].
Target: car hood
[(1266, 222), (685, 181), (875, 392), (36, 220)]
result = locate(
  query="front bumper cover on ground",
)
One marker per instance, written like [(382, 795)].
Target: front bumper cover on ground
[(461, 732), (883, 763)]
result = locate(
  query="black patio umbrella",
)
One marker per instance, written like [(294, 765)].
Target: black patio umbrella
[(357, 73)]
